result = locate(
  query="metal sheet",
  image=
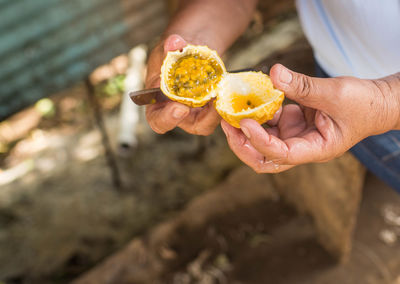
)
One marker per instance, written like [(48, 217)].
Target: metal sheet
[(48, 45)]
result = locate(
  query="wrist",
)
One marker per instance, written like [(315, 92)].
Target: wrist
[(216, 24), (389, 88)]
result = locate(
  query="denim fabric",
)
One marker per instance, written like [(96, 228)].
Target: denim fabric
[(380, 153)]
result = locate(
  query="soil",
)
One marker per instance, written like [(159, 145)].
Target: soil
[(257, 240)]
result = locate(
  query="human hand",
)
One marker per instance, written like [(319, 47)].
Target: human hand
[(333, 115), (165, 116)]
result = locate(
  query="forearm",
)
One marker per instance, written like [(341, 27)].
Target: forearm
[(216, 23)]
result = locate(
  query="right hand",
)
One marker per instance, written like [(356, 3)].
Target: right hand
[(331, 116), (165, 116)]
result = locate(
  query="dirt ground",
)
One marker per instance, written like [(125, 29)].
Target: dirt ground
[(269, 243), (258, 238)]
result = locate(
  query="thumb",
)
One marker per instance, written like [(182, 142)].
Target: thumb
[(174, 42), (170, 43), (308, 91)]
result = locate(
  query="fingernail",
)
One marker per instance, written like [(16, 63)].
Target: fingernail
[(174, 42), (285, 76), (245, 132), (178, 113)]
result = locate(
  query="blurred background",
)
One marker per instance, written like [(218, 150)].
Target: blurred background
[(89, 194)]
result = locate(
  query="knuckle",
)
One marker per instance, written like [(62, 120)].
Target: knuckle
[(304, 86), (342, 89), (344, 86)]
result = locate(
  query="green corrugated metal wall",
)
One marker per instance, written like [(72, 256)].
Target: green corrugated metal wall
[(48, 45)]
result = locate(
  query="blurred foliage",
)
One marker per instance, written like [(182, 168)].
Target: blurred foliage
[(3, 149), (111, 87), (110, 92), (46, 108)]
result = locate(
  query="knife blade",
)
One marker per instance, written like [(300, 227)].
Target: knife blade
[(151, 96), (147, 96)]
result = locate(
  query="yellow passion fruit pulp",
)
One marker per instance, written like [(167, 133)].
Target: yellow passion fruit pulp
[(193, 76)]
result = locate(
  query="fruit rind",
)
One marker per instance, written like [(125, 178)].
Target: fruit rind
[(261, 113), (173, 57)]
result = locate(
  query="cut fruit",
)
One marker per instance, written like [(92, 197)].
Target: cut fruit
[(191, 76), (247, 95), (196, 75)]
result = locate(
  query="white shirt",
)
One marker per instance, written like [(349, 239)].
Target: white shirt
[(353, 37)]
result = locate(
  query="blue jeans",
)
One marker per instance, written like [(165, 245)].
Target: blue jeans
[(380, 153)]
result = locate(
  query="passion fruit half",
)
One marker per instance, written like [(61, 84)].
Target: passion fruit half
[(191, 76)]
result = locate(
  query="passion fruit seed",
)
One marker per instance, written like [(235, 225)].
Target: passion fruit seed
[(193, 76), (244, 102)]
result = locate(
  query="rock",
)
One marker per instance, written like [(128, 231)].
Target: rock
[(391, 214), (388, 237)]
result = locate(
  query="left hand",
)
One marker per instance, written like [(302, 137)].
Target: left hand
[(165, 116), (333, 115)]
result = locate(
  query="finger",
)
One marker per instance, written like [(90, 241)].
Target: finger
[(153, 81), (174, 42), (291, 122), (247, 153), (268, 145), (310, 146), (309, 91), (153, 67), (274, 121), (163, 117), (201, 121), (318, 144), (273, 131), (171, 43), (307, 149)]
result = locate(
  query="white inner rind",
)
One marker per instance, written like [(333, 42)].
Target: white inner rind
[(245, 83)]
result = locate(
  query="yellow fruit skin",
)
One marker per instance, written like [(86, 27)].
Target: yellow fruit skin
[(191, 103), (260, 115)]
